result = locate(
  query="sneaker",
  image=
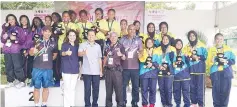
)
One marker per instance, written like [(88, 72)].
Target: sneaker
[(28, 81), (20, 85), (134, 105), (152, 105), (10, 84), (81, 78), (44, 106), (194, 105), (129, 88), (16, 82)]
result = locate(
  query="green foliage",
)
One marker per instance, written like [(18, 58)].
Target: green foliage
[(159, 5), (25, 5), (2, 64), (191, 6), (202, 37)]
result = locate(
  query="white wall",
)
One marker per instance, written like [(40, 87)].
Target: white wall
[(228, 16), (181, 21)]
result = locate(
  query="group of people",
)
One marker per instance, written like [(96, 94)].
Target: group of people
[(60, 47)]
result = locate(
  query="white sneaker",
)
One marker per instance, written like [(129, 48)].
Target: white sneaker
[(9, 84), (16, 82), (20, 85), (28, 81), (194, 105), (129, 88)]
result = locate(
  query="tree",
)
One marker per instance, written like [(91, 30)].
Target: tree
[(159, 5), (25, 5), (190, 6)]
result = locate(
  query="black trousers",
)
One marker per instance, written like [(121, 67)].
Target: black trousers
[(57, 74), (29, 66), (114, 81), (14, 65), (94, 82), (133, 75)]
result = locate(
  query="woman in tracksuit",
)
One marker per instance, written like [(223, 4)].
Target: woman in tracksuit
[(166, 54), (197, 54), (152, 34), (25, 25), (13, 39), (36, 32), (181, 76), (148, 73), (219, 62), (56, 19)]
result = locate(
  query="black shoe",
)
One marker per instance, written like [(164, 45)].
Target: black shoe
[(102, 78), (124, 104), (134, 105), (81, 78)]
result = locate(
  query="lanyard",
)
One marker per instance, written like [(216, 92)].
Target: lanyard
[(180, 53), (66, 26), (111, 48), (220, 50), (164, 54), (26, 31), (84, 27), (46, 46), (110, 27), (192, 48), (148, 50), (130, 44)]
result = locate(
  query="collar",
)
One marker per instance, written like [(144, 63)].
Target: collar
[(110, 21), (76, 21), (128, 37), (114, 44), (88, 43), (84, 22)]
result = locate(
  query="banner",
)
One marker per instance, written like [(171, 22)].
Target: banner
[(41, 13), (130, 10), (155, 16)]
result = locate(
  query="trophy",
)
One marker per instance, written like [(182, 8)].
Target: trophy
[(85, 33), (179, 63), (37, 43), (96, 26), (58, 30), (165, 69), (148, 60), (194, 54), (141, 37), (219, 57), (14, 34)]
